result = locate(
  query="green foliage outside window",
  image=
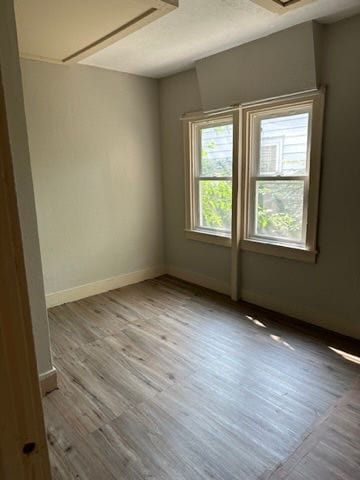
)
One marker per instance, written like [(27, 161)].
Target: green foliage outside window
[(279, 204), (216, 199), (280, 209), (216, 161)]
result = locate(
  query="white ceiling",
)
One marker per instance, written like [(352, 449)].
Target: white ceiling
[(199, 28)]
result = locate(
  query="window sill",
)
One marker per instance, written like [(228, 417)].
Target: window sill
[(283, 251), (213, 238), (256, 246)]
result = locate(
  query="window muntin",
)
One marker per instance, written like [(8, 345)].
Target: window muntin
[(279, 175), (212, 175)]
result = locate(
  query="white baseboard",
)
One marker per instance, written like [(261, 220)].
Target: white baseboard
[(199, 279), (101, 286), (48, 381)]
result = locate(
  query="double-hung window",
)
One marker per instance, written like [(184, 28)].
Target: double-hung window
[(209, 178), (281, 160), (277, 186)]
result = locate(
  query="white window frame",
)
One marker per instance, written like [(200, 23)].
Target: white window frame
[(306, 250), (192, 127), (241, 239)]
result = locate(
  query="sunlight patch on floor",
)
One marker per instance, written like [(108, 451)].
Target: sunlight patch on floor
[(280, 340), (347, 356), (256, 321)]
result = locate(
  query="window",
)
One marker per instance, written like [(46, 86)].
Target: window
[(209, 171), (270, 155), (274, 194), (281, 176), (278, 183)]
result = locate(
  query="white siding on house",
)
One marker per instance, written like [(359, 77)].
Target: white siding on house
[(284, 140), (216, 150)]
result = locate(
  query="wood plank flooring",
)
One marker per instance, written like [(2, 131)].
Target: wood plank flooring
[(167, 381)]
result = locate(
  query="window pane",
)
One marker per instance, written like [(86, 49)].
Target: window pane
[(215, 204), (284, 145), (279, 209), (216, 151)]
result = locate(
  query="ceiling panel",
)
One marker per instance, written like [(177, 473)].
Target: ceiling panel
[(68, 30)]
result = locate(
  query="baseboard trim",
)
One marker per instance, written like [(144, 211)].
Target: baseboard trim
[(48, 381), (199, 279), (101, 286)]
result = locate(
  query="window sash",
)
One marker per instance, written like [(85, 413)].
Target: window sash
[(254, 176), (253, 213), (255, 133), (197, 178)]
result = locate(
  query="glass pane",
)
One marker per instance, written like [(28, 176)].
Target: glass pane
[(284, 145), (279, 209), (215, 204), (216, 151)]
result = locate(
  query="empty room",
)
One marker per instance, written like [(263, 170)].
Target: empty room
[(180, 260)]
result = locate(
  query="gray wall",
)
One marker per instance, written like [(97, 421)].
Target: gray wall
[(326, 293), (95, 157), (281, 63), (179, 94), (11, 77)]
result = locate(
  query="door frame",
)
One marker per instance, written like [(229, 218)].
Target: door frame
[(23, 447)]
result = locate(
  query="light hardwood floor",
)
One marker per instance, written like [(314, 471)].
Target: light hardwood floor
[(167, 381)]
